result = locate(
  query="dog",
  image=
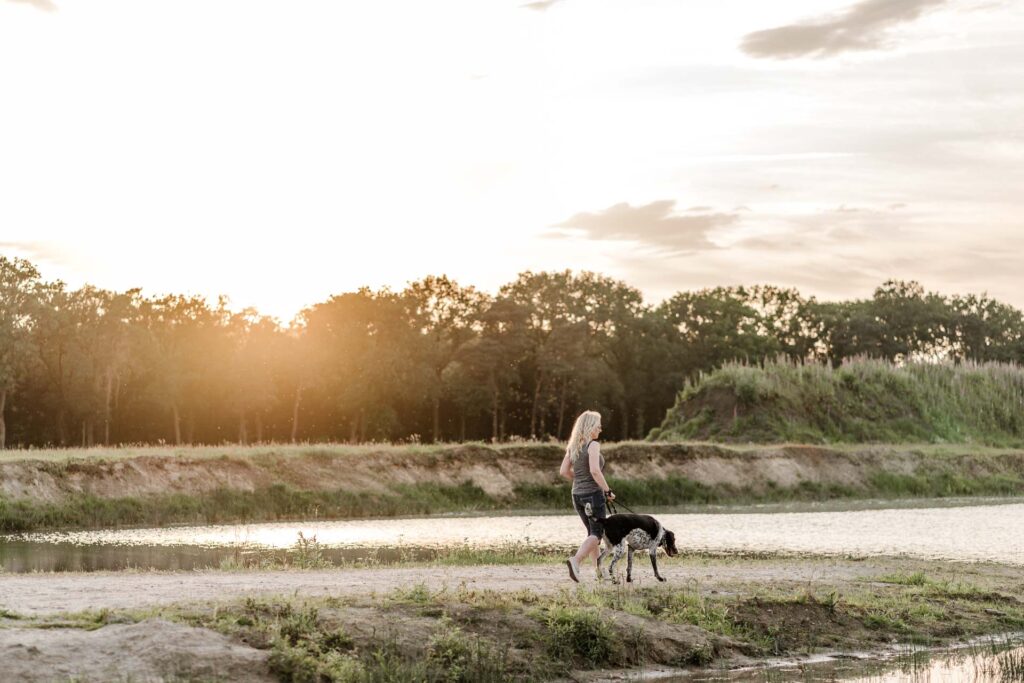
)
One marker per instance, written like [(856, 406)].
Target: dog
[(624, 534)]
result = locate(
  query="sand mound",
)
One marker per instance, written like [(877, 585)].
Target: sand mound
[(152, 650)]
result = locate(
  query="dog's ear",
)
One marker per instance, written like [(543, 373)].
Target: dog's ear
[(670, 543)]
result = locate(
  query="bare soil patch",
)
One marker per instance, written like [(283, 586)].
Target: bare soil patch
[(151, 650)]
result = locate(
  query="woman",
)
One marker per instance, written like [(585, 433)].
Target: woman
[(582, 466)]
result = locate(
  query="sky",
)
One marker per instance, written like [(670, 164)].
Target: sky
[(280, 152)]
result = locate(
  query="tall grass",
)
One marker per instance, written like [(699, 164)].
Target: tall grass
[(861, 401)]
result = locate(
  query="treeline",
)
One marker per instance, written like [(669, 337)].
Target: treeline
[(436, 361)]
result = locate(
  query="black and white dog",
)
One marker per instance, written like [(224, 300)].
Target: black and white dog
[(625, 533)]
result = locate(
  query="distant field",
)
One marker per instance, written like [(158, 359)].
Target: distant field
[(860, 402)]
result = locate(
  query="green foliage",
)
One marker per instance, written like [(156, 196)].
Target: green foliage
[(914, 579), (580, 636), (861, 401)]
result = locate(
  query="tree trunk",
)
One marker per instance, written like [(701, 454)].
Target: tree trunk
[(259, 428), (462, 427), (536, 404), (90, 433), (353, 429), (295, 413), (437, 419), (190, 428), (494, 416), (624, 430), (106, 408), (62, 428), (640, 424), (3, 422), (83, 434), (561, 408), (177, 424), (243, 432), (362, 425)]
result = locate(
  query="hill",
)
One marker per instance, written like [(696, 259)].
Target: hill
[(864, 401)]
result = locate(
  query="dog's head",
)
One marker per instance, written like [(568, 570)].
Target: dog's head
[(669, 544)]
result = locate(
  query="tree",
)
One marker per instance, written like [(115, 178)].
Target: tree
[(19, 282), (369, 348), (911, 323), (985, 330), (255, 343), (718, 325), (489, 363), (444, 314), (187, 348)]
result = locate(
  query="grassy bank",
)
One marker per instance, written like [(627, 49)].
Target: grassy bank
[(92, 490), (479, 635), (283, 503), (861, 401)]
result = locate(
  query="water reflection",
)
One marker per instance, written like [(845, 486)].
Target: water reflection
[(23, 557), (964, 532), (993, 661)]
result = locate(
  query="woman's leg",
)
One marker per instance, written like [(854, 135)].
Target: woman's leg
[(592, 543), (587, 548)]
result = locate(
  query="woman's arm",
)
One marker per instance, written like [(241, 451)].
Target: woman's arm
[(566, 469), (594, 454)]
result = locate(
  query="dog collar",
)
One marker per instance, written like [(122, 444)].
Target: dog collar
[(661, 534)]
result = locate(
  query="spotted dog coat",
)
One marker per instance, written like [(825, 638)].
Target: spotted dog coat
[(624, 534)]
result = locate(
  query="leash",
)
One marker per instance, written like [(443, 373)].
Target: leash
[(611, 506)]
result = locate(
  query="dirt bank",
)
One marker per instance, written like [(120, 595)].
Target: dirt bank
[(155, 486), (495, 470)]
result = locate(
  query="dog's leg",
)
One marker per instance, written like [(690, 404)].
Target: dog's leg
[(616, 556), (654, 563), (629, 565), (600, 556)]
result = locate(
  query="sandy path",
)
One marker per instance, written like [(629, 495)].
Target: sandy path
[(39, 594)]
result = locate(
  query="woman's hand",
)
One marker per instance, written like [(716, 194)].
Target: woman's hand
[(609, 494)]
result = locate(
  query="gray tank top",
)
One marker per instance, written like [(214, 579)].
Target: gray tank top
[(582, 481)]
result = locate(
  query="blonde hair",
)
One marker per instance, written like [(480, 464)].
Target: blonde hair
[(581, 431)]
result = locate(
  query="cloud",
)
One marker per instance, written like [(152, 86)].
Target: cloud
[(45, 252), (541, 5), (45, 5), (861, 27), (652, 224)]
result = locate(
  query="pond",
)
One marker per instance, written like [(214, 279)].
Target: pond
[(965, 530)]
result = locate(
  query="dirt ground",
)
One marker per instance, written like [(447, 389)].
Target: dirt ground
[(43, 594), (38, 643)]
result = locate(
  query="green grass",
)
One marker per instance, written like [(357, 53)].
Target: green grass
[(863, 401)]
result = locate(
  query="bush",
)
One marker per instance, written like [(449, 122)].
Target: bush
[(579, 636)]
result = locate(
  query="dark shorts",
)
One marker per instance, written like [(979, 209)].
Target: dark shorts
[(599, 512)]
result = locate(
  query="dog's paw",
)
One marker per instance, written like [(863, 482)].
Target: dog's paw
[(662, 578), (629, 579)]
